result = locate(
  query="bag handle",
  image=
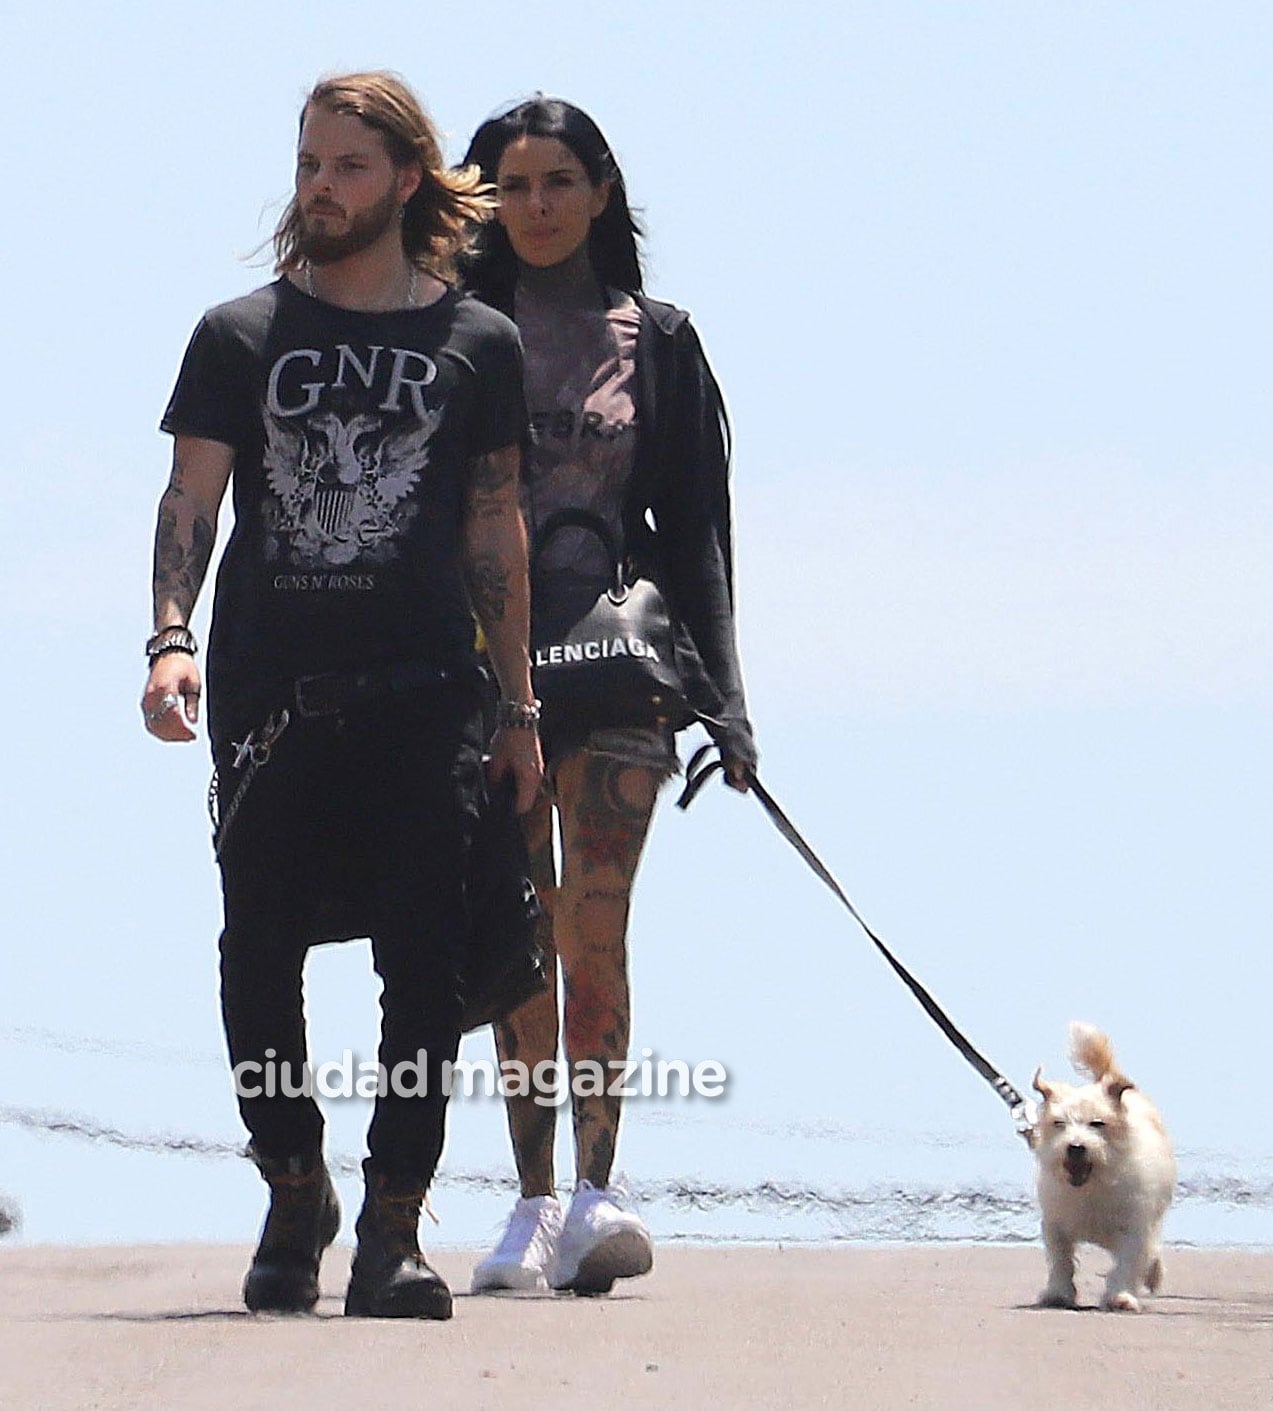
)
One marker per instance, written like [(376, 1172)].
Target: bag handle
[(595, 525)]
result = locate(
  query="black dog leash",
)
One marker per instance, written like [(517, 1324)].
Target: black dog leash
[(700, 770)]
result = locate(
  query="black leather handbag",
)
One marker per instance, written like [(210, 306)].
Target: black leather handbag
[(502, 965), (602, 651)]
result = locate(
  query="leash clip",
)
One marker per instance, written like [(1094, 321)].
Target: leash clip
[(1025, 1116)]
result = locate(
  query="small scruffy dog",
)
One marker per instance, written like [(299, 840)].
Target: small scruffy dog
[(1106, 1176)]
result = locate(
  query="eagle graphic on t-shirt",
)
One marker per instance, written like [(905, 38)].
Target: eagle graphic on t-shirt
[(340, 491)]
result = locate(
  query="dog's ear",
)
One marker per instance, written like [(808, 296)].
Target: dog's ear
[(1045, 1090), (1115, 1085)]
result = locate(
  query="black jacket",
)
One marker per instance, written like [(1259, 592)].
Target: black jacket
[(677, 515), (677, 520)]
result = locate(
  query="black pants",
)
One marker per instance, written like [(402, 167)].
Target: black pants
[(357, 826)]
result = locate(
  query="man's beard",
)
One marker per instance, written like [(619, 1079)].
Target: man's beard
[(320, 248)]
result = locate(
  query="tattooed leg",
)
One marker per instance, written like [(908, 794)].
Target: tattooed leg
[(606, 806), (529, 1033)]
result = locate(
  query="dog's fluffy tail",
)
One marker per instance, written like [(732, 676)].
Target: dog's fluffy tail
[(1091, 1051)]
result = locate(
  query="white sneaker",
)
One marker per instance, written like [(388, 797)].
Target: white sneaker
[(600, 1242), (527, 1249)]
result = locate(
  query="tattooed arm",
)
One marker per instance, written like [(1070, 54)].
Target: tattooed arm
[(184, 538), (495, 569)]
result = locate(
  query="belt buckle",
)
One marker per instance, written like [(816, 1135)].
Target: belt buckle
[(317, 696)]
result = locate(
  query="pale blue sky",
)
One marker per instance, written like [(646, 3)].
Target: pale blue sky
[(988, 288)]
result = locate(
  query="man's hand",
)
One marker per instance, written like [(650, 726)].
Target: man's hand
[(170, 703), (515, 750)]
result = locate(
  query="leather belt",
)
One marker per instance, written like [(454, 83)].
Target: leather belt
[(334, 692)]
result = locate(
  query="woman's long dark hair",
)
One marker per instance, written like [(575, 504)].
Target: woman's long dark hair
[(489, 268)]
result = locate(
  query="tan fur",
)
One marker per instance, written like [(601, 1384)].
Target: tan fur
[(1091, 1051), (1106, 1175)]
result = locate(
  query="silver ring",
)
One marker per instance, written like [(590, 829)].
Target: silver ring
[(166, 703)]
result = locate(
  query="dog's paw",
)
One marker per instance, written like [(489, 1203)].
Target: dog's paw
[(1121, 1302), (1057, 1298)]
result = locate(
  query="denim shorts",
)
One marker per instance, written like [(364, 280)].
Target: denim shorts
[(644, 748)]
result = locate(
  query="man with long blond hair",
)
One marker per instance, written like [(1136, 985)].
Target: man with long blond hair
[(371, 421)]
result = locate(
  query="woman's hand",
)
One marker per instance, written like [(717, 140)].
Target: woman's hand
[(737, 774)]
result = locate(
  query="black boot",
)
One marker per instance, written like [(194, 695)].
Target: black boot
[(390, 1277), (303, 1219)]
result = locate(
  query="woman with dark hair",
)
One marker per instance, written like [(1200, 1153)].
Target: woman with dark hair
[(628, 425)]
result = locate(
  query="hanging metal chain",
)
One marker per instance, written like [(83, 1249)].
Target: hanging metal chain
[(251, 755)]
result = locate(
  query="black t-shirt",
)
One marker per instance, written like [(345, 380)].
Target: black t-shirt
[(353, 435)]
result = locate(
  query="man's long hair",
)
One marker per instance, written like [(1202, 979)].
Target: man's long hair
[(447, 207)]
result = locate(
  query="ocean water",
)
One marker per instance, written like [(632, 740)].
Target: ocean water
[(702, 1177)]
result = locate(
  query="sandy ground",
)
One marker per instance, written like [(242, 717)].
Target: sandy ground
[(160, 1328)]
